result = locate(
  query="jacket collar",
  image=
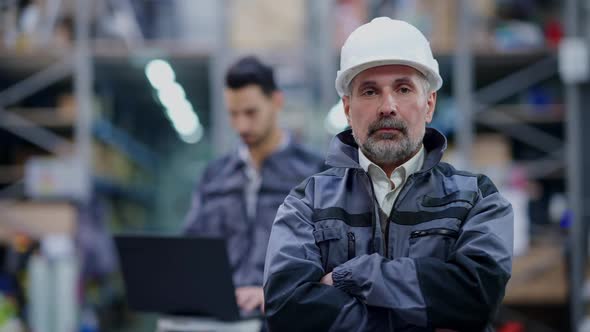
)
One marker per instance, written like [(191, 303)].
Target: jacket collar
[(343, 151)]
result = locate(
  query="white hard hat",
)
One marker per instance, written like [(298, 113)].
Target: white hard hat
[(384, 41)]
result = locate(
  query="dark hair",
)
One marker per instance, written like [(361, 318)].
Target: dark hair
[(249, 70)]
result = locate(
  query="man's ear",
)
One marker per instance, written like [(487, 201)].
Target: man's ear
[(430, 106), (346, 104)]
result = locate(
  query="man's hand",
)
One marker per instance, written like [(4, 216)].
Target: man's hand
[(327, 279), (250, 298)]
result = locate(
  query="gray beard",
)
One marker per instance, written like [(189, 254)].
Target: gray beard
[(386, 149)]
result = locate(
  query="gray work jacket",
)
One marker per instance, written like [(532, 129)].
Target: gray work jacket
[(219, 209), (443, 260)]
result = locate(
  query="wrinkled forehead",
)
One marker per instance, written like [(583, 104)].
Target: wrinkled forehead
[(389, 71)]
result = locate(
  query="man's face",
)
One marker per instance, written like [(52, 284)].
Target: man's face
[(253, 115), (388, 109)]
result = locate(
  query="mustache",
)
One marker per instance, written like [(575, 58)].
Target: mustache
[(388, 123)]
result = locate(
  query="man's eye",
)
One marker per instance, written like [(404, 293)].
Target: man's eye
[(368, 92), (405, 90)]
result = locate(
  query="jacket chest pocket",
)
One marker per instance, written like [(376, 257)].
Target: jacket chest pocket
[(336, 244), (437, 232), (432, 242)]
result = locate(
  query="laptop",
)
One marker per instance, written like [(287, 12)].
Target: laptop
[(178, 275)]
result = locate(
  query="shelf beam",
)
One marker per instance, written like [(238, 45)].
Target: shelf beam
[(30, 131), (542, 168), (129, 192), (117, 138), (521, 131), (36, 82), (83, 85), (578, 155), (463, 84), (221, 133), (516, 82)]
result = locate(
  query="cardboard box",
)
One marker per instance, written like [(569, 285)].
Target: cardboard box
[(67, 106), (36, 219), (491, 150), (267, 24), (439, 19)]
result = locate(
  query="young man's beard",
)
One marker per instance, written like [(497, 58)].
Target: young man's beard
[(386, 148), (260, 139)]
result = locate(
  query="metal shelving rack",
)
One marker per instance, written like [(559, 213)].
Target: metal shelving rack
[(472, 103), (571, 154), (83, 87), (45, 69), (51, 68)]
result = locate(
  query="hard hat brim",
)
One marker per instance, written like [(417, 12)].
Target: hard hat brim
[(343, 78)]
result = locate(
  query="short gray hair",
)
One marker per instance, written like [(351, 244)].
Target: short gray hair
[(425, 83)]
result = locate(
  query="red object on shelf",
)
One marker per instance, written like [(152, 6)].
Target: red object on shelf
[(511, 326), (553, 33)]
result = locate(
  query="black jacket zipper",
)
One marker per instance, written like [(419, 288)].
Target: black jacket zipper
[(351, 246), (435, 231)]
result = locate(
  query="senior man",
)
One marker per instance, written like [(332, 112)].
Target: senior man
[(389, 238)]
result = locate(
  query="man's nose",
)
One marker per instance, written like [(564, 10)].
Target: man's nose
[(242, 126), (388, 105)]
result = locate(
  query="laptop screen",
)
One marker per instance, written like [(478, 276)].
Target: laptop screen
[(177, 275)]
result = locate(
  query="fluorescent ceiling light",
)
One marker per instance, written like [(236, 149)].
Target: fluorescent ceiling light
[(159, 73), (171, 95), (193, 137), (179, 111), (184, 122)]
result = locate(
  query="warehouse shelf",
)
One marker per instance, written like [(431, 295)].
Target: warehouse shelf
[(103, 130), (119, 139), (15, 64), (117, 189), (48, 117), (11, 173), (538, 115), (36, 218)]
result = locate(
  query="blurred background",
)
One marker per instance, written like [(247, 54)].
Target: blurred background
[(109, 110)]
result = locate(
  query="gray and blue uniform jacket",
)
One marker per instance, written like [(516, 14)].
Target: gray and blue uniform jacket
[(219, 207), (442, 261)]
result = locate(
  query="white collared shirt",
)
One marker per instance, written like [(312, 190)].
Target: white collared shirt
[(387, 189)]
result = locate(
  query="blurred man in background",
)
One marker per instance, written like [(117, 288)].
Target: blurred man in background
[(239, 194), (389, 238)]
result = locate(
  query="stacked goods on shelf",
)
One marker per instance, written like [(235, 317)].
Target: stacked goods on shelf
[(25, 26), (438, 20), (251, 19), (36, 219), (29, 275), (52, 208)]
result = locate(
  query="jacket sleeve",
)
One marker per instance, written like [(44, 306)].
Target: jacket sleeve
[(295, 300), (463, 292)]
